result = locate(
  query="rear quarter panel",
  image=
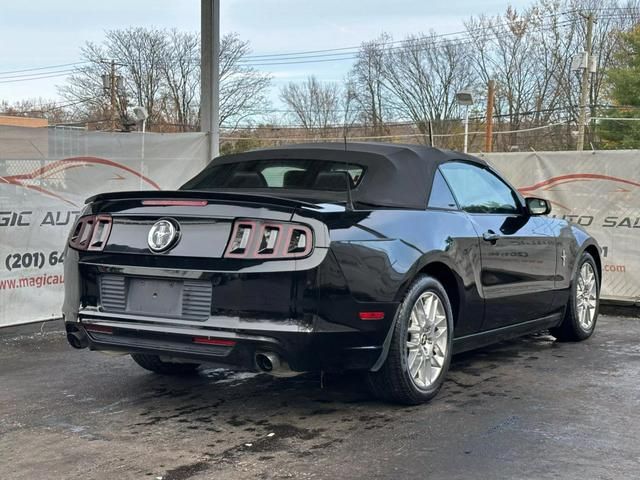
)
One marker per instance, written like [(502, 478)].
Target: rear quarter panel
[(380, 252), (573, 240)]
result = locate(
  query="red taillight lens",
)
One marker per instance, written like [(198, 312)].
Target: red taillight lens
[(91, 232), (262, 239), (241, 238), (101, 231)]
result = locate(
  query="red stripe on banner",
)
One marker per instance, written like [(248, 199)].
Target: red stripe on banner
[(79, 161), (577, 177), (66, 164), (42, 190)]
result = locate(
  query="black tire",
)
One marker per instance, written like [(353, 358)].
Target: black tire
[(153, 363), (393, 382), (571, 329)]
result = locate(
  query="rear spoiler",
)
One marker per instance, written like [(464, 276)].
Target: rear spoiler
[(202, 195)]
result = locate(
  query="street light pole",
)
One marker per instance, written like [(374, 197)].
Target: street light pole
[(466, 129), (465, 99), (210, 74)]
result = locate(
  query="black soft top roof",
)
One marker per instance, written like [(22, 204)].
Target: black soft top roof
[(397, 175)]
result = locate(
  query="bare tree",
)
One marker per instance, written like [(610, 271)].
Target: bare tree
[(530, 53), (139, 56), (161, 71), (54, 112), (141, 53), (504, 47), (366, 81), (84, 87), (243, 89), (424, 75), (612, 17), (316, 105), (182, 79)]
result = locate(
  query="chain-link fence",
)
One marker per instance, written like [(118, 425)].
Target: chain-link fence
[(443, 134)]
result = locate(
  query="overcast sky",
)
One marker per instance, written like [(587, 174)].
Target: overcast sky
[(40, 33)]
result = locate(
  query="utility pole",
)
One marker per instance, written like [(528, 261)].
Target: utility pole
[(112, 88), (111, 83), (488, 135), (586, 82)]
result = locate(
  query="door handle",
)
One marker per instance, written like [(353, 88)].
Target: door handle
[(490, 236)]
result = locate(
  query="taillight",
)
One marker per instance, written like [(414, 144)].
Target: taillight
[(266, 239), (91, 232)]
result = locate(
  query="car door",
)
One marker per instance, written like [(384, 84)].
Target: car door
[(517, 250)]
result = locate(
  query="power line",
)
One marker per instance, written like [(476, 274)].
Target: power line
[(65, 74), (421, 43), (408, 44), (54, 105), (346, 53), (43, 68), (261, 57), (29, 75)]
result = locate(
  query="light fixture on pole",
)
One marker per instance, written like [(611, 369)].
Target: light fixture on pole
[(141, 115), (465, 98)]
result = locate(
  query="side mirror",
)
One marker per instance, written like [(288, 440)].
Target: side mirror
[(537, 206)]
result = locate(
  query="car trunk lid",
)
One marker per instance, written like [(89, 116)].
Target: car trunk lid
[(204, 220)]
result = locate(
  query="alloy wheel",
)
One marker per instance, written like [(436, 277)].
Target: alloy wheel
[(427, 340), (586, 296)]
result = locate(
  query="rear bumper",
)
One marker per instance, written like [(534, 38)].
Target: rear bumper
[(304, 349), (309, 317)]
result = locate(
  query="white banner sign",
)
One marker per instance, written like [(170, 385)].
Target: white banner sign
[(45, 176), (598, 190)]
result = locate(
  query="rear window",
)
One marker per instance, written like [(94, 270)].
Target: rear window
[(284, 174)]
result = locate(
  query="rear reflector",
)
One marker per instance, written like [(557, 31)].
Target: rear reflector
[(175, 203), (98, 328), (213, 341), (371, 315)]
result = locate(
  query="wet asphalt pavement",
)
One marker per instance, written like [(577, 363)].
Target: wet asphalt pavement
[(530, 408)]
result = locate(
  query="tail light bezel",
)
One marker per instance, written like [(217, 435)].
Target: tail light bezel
[(83, 235), (281, 250)]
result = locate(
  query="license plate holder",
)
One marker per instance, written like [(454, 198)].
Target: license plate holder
[(153, 296)]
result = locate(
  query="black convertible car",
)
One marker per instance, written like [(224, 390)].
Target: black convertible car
[(377, 257)]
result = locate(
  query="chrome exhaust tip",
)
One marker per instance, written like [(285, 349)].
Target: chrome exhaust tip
[(77, 338), (272, 364), (267, 362)]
